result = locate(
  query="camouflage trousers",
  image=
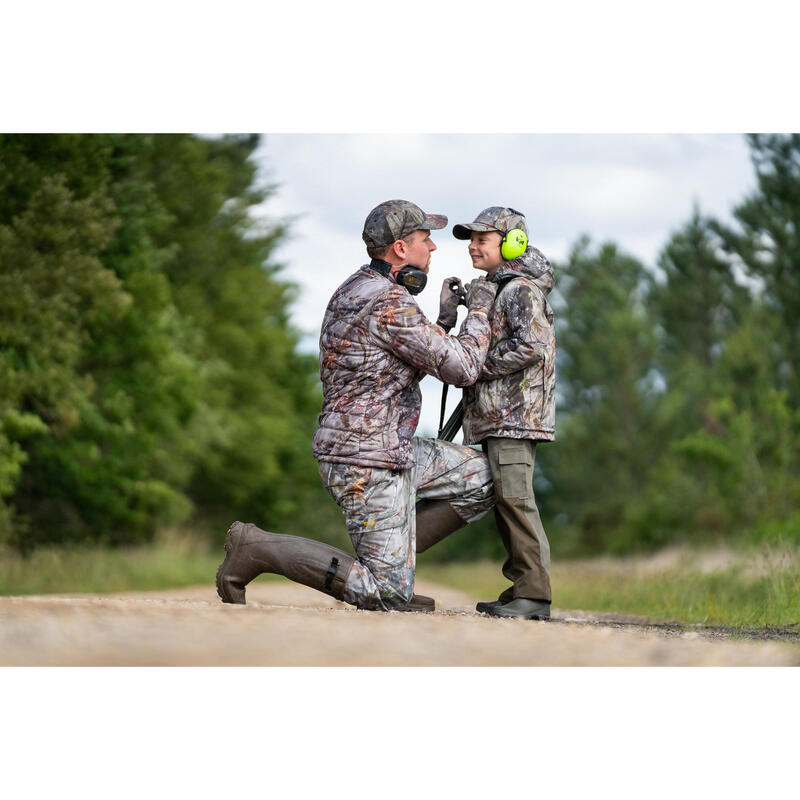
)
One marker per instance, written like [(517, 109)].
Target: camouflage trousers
[(379, 510)]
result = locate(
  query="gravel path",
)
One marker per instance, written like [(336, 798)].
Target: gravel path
[(289, 625)]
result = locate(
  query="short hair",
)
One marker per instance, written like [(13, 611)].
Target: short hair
[(377, 252), (380, 252)]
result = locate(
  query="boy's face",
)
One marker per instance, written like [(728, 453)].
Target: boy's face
[(484, 250)]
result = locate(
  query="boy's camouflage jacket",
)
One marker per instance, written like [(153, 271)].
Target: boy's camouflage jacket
[(515, 393), (375, 346)]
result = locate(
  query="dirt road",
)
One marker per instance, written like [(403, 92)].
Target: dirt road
[(289, 625)]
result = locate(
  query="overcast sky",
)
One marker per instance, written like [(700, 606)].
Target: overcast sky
[(634, 189)]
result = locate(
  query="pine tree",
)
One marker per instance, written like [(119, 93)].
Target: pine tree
[(767, 244), (605, 441)]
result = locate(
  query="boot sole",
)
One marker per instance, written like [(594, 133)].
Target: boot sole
[(536, 616), (420, 609), (231, 546)]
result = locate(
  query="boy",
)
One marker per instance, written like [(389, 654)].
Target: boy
[(512, 406)]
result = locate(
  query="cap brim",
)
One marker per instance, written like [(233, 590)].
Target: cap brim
[(465, 231), (433, 222)]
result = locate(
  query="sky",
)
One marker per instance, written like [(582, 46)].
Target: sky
[(632, 189)]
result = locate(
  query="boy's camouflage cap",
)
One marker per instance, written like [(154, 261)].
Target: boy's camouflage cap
[(494, 218), (396, 219)]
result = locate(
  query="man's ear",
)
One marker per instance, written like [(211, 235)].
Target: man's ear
[(400, 248)]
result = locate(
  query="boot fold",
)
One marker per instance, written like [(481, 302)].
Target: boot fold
[(435, 521)]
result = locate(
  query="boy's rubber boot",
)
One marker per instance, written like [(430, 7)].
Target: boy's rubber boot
[(435, 521), (251, 551), (521, 608)]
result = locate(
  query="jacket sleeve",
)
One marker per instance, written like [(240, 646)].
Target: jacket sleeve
[(399, 326), (528, 329)]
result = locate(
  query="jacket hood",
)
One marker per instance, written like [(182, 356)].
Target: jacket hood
[(531, 264)]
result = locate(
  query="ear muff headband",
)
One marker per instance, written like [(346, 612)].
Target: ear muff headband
[(514, 244)]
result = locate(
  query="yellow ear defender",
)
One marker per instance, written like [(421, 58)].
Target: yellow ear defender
[(514, 244)]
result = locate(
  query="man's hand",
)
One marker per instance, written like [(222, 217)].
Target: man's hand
[(450, 298), (480, 294)]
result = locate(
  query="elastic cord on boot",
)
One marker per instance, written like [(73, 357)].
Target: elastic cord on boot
[(336, 575)]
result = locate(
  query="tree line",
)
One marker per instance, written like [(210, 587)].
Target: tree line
[(680, 387), (148, 371), (150, 376)]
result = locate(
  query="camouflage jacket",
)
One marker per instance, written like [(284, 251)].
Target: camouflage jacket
[(375, 346), (515, 394)]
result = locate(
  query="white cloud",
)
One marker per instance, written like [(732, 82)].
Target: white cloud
[(633, 189)]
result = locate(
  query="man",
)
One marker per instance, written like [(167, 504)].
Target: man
[(512, 405), (375, 346)]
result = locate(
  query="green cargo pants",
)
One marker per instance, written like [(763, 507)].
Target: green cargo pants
[(528, 564)]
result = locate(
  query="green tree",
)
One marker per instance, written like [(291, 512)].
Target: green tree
[(607, 426), (766, 243), (253, 429), (54, 293), (150, 370)]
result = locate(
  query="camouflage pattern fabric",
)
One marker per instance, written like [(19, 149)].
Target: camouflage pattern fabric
[(396, 219), (378, 505), (515, 394), (374, 347), (494, 218)]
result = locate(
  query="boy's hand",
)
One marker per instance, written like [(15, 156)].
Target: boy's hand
[(450, 298), (480, 294)]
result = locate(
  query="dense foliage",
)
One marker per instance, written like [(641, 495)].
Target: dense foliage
[(148, 371), (680, 388), (149, 374)]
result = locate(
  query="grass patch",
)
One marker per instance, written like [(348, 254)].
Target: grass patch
[(174, 560), (733, 595), (754, 588)]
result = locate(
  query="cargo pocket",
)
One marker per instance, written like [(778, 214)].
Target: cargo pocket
[(516, 470)]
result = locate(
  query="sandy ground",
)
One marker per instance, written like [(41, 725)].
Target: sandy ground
[(289, 625)]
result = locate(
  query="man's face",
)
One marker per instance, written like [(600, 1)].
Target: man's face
[(484, 250), (419, 247)]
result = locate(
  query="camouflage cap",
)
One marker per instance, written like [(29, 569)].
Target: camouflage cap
[(494, 218), (396, 219)]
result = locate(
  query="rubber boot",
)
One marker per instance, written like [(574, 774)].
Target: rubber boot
[(251, 551), (521, 608), (435, 521), (421, 603)]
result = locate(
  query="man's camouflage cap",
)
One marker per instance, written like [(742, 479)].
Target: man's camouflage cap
[(494, 218), (396, 219)]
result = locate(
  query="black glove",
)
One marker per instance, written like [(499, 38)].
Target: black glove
[(450, 298)]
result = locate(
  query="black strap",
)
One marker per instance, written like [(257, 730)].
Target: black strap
[(441, 412), (453, 425), (503, 282), (331, 573)]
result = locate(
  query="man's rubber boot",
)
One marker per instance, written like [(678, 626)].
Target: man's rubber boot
[(420, 603), (521, 608), (484, 606), (435, 521), (251, 551)]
